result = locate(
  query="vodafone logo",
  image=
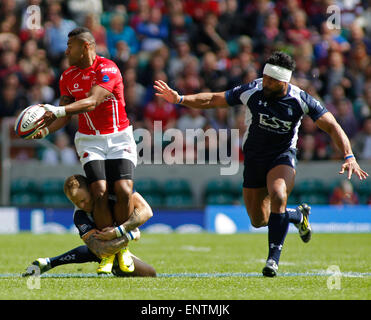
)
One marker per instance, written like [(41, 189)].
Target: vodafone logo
[(76, 88)]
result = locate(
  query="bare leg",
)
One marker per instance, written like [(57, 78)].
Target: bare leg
[(124, 206), (257, 203), (101, 212)]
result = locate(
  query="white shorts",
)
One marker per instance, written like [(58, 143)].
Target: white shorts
[(119, 145)]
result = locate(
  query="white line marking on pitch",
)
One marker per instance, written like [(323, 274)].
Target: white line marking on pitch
[(198, 275)]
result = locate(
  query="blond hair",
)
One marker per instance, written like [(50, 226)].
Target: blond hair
[(73, 183)]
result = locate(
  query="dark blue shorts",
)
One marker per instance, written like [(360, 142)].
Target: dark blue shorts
[(255, 172)]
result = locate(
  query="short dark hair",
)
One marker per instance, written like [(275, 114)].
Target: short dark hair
[(77, 31), (282, 59), (83, 34)]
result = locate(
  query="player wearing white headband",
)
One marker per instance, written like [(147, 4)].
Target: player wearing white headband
[(274, 109)]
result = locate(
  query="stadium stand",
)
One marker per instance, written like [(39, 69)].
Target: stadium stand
[(195, 46)]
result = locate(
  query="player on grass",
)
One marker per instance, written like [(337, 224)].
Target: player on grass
[(101, 244), (93, 88), (274, 109)]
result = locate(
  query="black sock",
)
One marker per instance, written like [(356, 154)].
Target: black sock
[(294, 215), (80, 254), (278, 226)]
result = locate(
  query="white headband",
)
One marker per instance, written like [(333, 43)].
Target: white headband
[(278, 73)]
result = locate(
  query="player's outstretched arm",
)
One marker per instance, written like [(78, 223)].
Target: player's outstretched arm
[(203, 100), (142, 213), (102, 248), (329, 124)]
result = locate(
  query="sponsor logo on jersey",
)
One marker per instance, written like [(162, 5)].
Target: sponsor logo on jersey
[(268, 122), (112, 70), (105, 78)]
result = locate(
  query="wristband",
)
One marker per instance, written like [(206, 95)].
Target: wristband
[(57, 111), (60, 112), (129, 234), (349, 156), (180, 100), (119, 232)]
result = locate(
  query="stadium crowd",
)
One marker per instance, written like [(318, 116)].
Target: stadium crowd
[(195, 46)]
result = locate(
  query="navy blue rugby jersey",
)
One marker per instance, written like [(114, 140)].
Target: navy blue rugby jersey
[(272, 125)]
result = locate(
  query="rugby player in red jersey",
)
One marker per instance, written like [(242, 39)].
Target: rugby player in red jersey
[(92, 87)]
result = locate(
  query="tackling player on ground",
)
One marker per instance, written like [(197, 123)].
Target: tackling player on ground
[(274, 109), (104, 244)]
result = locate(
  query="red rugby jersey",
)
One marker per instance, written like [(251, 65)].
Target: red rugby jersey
[(108, 117)]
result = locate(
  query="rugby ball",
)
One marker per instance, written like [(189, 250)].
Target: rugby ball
[(26, 123)]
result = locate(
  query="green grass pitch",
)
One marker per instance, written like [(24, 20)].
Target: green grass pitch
[(197, 267)]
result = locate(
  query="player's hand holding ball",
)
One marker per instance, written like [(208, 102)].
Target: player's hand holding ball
[(41, 133)]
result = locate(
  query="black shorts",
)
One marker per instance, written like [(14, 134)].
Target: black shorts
[(110, 170), (255, 172)]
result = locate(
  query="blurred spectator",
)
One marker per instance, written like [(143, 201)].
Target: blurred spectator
[(130, 80), (336, 73), (79, 9), (256, 12), (362, 105), (179, 59), (364, 20), (214, 79), (120, 31), (198, 9), (157, 63), (142, 11), (181, 25), (191, 119), (303, 69), (312, 142), (154, 32), (329, 40), (43, 81), (362, 141), (160, 110), (350, 10), (56, 33), (357, 35), (8, 64), (92, 22), (345, 117), (222, 119), (189, 81), (344, 194), (286, 11), (66, 154), (134, 109), (208, 36), (231, 21), (35, 95), (358, 62), (11, 101), (270, 35), (337, 94), (298, 32)]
